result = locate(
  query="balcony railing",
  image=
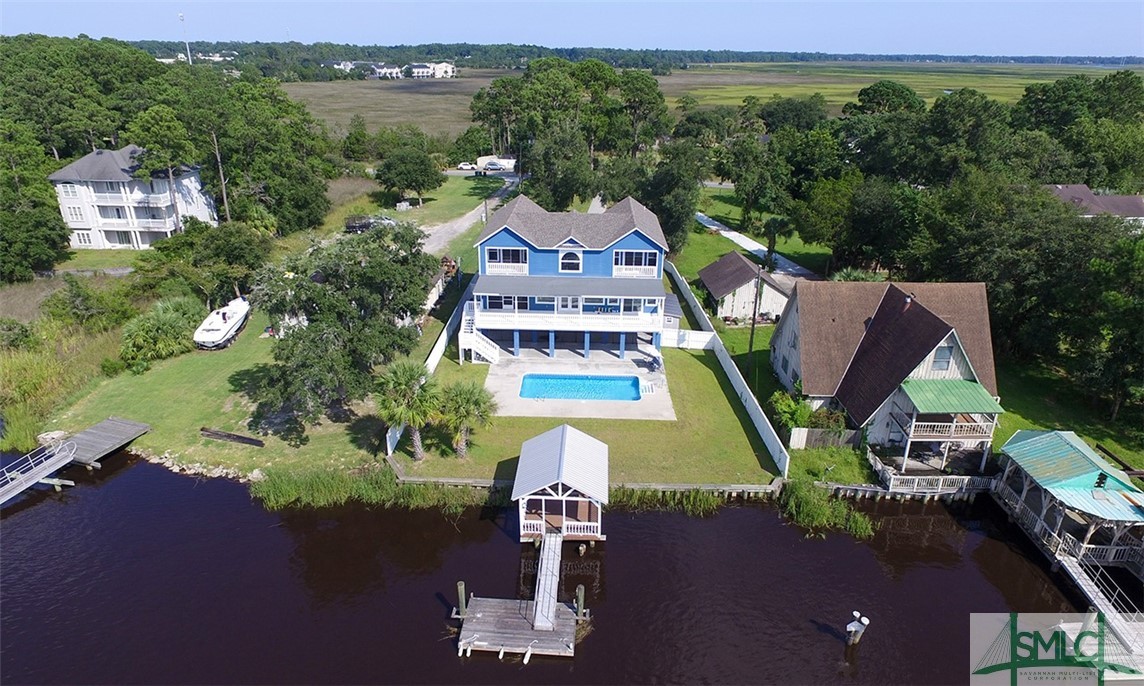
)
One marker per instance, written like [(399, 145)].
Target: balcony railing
[(943, 429), (575, 321), (532, 526), (165, 224), (109, 197), (506, 269), (581, 528), (636, 272)]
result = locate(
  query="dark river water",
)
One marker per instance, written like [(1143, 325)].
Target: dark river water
[(141, 576)]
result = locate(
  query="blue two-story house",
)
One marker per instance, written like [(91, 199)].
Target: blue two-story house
[(566, 280)]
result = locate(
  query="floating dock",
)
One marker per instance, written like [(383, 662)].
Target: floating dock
[(85, 448)]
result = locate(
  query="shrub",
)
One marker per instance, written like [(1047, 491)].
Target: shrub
[(825, 418), (112, 366), (166, 330), (813, 508), (789, 411), (13, 334), (96, 310)]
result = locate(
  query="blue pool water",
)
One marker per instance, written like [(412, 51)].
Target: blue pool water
[(572, 387)]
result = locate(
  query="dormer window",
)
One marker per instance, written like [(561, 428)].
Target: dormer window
[(570, 262), (942, 357)]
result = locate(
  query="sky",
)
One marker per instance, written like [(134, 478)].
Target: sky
[(1031, 27)]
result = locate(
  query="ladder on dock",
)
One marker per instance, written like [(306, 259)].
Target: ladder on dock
[(547, 583), (84, 448)]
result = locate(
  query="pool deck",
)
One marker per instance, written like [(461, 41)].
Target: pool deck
[(505, 377)]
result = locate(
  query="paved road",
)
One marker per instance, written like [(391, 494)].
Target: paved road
[(437, 237), (783, 265)]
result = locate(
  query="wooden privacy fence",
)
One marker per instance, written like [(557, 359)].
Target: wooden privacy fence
[(818, 438)]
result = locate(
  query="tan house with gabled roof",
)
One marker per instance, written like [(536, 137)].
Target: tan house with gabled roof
[(909, 362)]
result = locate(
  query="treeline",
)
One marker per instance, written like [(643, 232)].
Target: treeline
[(293, 61), (261, 155), (952, 192)]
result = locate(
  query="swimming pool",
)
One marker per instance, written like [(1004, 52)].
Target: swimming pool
[(576, 387)]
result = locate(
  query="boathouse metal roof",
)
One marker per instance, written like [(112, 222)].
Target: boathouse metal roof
[(1064, 465), (950, 396), (563, 455), (588, 286)]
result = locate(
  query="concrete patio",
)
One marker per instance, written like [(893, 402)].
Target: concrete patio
[(505, 377)]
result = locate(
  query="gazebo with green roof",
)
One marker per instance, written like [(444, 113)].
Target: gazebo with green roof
[(1069, 488)]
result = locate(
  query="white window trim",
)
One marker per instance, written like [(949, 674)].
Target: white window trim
[(75, 214), (83, 237), (69, 190), (617, 254), (489, 255), (948, 362), (579, 261)]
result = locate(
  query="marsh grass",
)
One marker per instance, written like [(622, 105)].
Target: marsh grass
[(693, 502), (325, 487), (814, 509)]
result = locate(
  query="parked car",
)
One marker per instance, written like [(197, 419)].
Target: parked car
[(494, 166), (466, 166)]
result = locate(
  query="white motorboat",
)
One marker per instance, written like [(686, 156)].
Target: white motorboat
[(221, 327)]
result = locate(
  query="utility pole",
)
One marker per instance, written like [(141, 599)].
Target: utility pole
[(183, 23), (751, 339)]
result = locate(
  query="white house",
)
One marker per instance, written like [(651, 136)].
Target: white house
[(432, 70), (107, 207), (730, 284), (387, 71), (908, 362), (561, 485)]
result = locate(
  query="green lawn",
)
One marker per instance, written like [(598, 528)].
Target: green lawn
[(760, 378), (1037, 398), (838, 464), (721, 205), (706, 444), (178, 396), (98, 259), (704, 247)]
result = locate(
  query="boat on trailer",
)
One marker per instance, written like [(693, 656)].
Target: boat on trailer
[(221, 326)]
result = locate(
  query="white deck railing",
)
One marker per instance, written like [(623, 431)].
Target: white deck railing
[(936, 483), (506, 269), (581, 528), (917, 430), (635, 272), (579, 321), (532, 526)]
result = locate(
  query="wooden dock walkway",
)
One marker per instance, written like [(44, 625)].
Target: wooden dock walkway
[(547, 583), (86, 448), (542, 626)]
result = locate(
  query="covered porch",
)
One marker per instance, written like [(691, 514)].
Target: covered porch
[(940, 417), (561, 485)]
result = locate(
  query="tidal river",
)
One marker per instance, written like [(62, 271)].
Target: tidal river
[(141, 576)]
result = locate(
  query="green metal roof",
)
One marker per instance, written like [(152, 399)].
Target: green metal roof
[(1064, 465), (950, 396)]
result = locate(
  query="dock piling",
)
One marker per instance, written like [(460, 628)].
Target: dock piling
[(579, 601), (856, 628), (461, 598)]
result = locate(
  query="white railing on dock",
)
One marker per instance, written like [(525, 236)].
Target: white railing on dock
[(532, 526), (944, 483), (581, 528), (33, 467)]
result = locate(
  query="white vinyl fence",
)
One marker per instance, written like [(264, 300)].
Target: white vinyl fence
[(750, 402), (394, 434)]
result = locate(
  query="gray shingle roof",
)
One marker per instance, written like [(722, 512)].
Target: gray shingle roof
[(1081, 196), (588, 286), (547, 230), (105, 165), (562, 455), (101, 165)]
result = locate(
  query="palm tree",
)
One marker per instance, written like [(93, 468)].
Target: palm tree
[(466, 405), (406, 394), (855, 274)]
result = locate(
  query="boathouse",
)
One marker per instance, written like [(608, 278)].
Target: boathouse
[(1074, 501), (561, 485)]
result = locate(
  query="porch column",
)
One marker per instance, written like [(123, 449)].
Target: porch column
[(587, 343), (535, 338), (984, 456), (655, 340), (623, 342), (945, 456), (1088, 534), (552, 344), (516, 342)]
